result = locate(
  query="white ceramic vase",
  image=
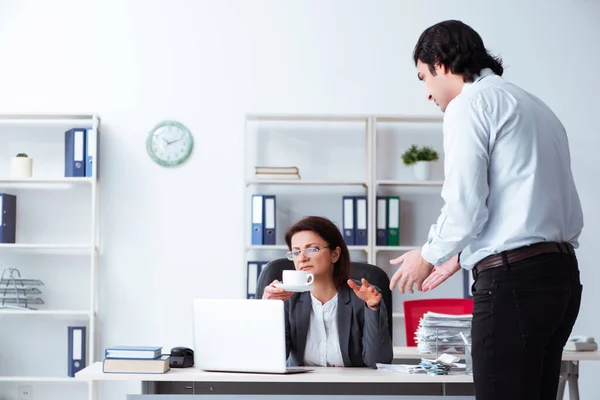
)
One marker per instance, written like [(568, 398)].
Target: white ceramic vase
[(422, 170), (21, 167)]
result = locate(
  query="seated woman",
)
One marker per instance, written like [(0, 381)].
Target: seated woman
[(339, 323)]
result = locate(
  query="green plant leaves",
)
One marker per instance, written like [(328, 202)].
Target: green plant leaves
[(415, 153)]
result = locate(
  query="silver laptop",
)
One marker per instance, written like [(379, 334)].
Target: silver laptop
[(239, 335)]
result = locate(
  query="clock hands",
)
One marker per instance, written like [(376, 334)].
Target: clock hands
[(173, 141)]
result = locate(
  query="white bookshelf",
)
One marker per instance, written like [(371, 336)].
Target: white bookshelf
[(57, 241), (374, 144)]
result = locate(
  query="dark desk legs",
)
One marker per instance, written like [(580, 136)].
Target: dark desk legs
[(167, 387), (569, 372), (148, 387)]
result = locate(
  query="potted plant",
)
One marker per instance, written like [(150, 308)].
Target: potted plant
[(22, 166), (420, 158)]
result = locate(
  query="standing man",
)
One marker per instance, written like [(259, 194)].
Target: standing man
[(511, 215)]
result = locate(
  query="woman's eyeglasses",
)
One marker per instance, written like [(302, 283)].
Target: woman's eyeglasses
[(309, 252)]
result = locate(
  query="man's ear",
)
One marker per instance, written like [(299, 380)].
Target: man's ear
[(442, 69)]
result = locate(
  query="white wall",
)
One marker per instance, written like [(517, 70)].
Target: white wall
[(171, 235)]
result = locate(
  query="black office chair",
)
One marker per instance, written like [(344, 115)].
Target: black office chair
[(373, 274)]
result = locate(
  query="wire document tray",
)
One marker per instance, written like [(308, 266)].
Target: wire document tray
[(16, 293)]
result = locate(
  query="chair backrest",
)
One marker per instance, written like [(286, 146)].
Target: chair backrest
[(414, 310), (373, 274)]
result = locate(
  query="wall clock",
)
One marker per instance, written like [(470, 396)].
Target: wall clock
[(169, 143)]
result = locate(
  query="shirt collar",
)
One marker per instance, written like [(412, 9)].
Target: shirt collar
[(482, 74), (330, 304)]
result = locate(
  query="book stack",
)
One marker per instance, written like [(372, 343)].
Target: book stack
[(135, 360), (286, 173), (440, 333)]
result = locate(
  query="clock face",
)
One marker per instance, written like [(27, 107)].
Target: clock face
[(169, 143)]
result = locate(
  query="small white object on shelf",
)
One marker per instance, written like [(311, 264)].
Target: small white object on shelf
[(21, 166), (422, 170)]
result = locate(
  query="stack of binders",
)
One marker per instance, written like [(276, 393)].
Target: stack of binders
[(263, 219), (388, 221), (135, 360), (80, 150), (354, 220)]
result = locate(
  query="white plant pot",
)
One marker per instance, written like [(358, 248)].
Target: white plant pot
[(422, 170), (21, 167)]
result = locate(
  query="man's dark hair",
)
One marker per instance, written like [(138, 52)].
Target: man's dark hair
[(456, 46)]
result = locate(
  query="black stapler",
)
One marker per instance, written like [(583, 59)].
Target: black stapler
[(181, 357)]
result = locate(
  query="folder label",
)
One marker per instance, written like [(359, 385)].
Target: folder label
[(78, 146), (269, 219), (77, 341), (257, 219), (76, 356), (348, 220), (91, 151), (361, 221), (252, 279), (381, 221), (393, 230)]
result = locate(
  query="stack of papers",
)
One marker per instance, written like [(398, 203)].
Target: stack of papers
[(440, 333), (581, 343), (445, 364)]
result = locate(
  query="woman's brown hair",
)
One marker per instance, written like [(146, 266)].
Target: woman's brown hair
[(332, 235)]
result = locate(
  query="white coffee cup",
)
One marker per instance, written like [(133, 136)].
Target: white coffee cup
[(293, 277)]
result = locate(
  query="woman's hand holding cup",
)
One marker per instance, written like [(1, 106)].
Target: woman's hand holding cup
[(273, 293)]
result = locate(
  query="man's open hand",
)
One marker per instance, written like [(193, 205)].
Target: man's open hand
[(413, 271), (441, 273)]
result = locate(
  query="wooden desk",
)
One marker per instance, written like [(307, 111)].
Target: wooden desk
[(325, 381), (322, 381), (569, 368)]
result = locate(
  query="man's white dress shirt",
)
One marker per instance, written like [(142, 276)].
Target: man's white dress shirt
[(323, 339), (508, 180)]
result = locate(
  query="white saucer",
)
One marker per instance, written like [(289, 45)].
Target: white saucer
[(294, 288)]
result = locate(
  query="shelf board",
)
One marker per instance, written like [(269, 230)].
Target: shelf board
[(268, 247), (358, 248), (345, 118), (56, 313), (307, 117), (396, 248), (408, 183), (46, 118), (301, 182), (46, 246), (409, 118), (39, 379), (45, 183)]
